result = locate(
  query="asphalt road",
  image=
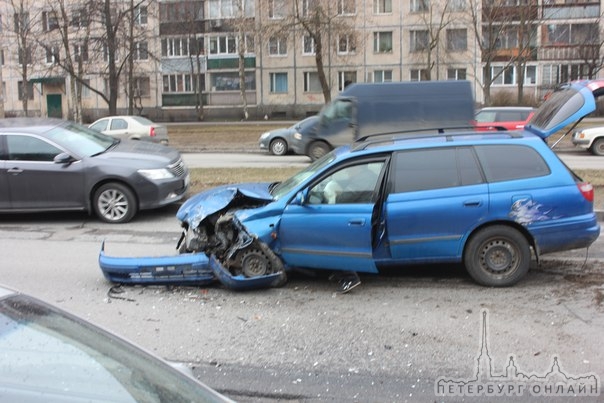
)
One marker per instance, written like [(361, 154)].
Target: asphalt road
[(389, 340)]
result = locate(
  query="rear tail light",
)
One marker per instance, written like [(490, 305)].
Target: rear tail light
[(587, 190), (152, 131)]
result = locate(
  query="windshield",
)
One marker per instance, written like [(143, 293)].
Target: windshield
[(80, 140), (55, 357), (294, 181)]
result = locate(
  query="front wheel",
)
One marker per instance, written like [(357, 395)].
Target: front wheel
[(318, 149), (278, 147), (497, 256), (597, 147), (114, 203)]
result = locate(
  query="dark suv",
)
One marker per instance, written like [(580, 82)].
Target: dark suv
[(489, 200)]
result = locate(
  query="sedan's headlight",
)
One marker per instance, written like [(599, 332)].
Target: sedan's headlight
[(156, 174), (297, 136), (265, 135)]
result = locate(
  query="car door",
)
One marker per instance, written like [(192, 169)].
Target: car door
[(118, 127), (35, 181), (438, 195), (4, 191), (331, 227)]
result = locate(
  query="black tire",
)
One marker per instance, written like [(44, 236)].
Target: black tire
[(597, 147), (114, 203), (497, 256), (318, 149), (278, 147)]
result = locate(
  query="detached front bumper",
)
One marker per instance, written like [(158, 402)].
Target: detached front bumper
[(184, 269)]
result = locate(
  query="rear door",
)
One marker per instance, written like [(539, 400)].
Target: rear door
[(333, 228), (438, 196)]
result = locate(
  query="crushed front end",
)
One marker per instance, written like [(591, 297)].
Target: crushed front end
[(214, 246)]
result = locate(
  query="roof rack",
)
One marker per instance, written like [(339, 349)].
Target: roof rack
[(387, 137)]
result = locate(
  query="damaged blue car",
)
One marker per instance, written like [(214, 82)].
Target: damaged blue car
[(492, 201)]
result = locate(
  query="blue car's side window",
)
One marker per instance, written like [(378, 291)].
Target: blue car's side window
[(351, 184)]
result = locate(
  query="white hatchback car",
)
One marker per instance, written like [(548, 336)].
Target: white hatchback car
[(133, 128), (591, 139)]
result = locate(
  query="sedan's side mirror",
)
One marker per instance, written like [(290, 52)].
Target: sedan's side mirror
[(63, 158)]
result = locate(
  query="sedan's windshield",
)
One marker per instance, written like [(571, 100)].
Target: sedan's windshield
[(286, 186), (81, 140)]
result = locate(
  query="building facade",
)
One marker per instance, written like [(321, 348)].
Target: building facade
[(177, 60)]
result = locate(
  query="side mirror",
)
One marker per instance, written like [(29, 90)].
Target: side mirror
[(300, 198), (63, 158)]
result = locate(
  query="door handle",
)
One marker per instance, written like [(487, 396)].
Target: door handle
[(357, 222), (15, 171), (472, 203)]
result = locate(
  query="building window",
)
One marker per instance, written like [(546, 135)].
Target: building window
[(308, 43), (230, 81), (179, 83), (346, 7), (457, 5), (418, 6), (79, 18), (509, 76), (174, 47), (52, 55), (24, 55), (307, 7), (277, 9), (345, 78), (181, 11), (346, 44), (277, 46), (29, 88), (140, 15), (230, 8), (21, 21), (223, 45), (382, 76), (142, 87), (457, 39), (311, 82), (419, 40), (456, 74), (382, 42), (418, 75), (382, 6), (278, 83), (84, 87), (571, 34), (141, 51), (553, 74), (80, 52), (49, 21)]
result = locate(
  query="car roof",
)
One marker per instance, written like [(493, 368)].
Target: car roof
[(506, 108), (30, 125), (406, 141)]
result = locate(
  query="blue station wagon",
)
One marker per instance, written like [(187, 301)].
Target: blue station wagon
[(491, 201)]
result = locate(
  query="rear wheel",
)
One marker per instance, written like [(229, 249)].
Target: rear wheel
[(497, 256), (114, 203), (318, 149), (597, 147), (278, 147)]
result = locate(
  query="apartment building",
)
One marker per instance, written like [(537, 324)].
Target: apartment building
[(175, 60)]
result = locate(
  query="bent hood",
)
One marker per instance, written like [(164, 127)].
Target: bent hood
[(568, 104), (204, 204)]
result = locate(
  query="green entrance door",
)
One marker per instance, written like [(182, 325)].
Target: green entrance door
[(53, 106)]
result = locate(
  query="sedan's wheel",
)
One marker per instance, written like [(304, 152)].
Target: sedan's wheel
[(255, 263), (114, 203), (278, 147), (318, 149), (497, 256), (597, 147)]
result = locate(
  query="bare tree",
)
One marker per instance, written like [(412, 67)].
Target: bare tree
[(26, 18), (429, 40), (322, 22)]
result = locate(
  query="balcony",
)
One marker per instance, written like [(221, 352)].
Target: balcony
[(569, 52), (571, 11)]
